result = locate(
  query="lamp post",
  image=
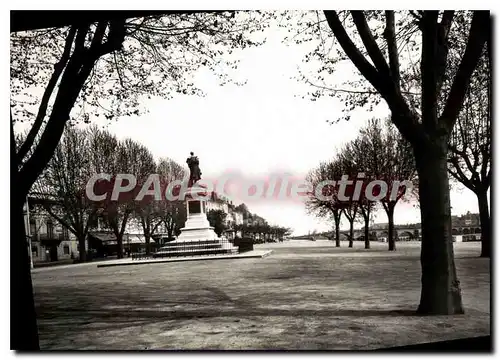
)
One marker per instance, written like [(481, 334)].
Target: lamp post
[(28, 232)]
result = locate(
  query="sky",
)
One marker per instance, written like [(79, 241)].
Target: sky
[(260, 128)]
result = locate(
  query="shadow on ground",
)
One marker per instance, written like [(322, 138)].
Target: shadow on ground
[(298, 298)]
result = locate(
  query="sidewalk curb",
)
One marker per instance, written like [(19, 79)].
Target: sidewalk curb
[(260, 254)]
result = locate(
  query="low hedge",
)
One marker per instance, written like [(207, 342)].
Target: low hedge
[(243, 244)]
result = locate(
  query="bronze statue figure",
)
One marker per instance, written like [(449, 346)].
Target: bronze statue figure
[(194, 169)]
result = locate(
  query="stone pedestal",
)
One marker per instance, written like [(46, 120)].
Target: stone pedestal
[(197, 226), (197, 236)]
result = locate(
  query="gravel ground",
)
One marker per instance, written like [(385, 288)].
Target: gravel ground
[(305, 295)]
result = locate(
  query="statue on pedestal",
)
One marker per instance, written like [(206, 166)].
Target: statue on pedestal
[(194, 169)]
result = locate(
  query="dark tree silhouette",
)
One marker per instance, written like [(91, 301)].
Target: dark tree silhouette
[(358, 159), (422, 109), (325, 208), (428, 133), (470, 148), (63, 184), (129, 158), (173, 211), (84, 65), (388, 157), (217, 219)]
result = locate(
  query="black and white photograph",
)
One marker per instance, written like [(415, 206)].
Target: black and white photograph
[(250, 180)]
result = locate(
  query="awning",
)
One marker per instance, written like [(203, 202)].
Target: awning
[(110, 239), (103, 236), (134, 239)]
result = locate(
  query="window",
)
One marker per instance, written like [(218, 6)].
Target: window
[(65, 233), (50, 229), (93, 223), (66, 250), (33, 227)]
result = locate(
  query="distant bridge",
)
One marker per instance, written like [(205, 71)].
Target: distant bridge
[(410, 232), (402, 232)]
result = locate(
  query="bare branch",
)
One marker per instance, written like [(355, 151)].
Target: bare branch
[(367, 69), (479, 32), (370, 43), (460, 176), (42, 110), (403, 117), (392, 49)]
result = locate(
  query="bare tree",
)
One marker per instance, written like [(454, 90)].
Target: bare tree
[(70, 72), (351, 212), (63, 185), (217, 219), (358, 159), (390, 159), (134, 159), (173, 212), (469, 154), (149, 214), (427, 132), (105, 67), (88, 64), (112, 157), (377, 45), (326, 208), (147, 211)]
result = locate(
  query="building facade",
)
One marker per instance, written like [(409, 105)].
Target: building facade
[(233, 218), (50, 241), (217, 205), (103, 241), (466, 227)]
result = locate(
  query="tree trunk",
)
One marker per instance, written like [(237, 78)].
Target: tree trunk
[(390, 217), (484, 213), (81, 248), (23, 324), (119, 246), (484, 216), (337, 229), (440, 293), (367, 230), (351, 233), (147, 240)]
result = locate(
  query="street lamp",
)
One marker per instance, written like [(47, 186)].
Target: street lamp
[(28, 231)]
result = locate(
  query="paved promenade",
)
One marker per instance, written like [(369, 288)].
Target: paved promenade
[(302, 296)]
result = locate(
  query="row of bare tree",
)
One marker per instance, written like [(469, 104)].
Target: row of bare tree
[(380, 153), (108, 64), (259, 231), (83, 153), (421, 65), (100, 66), (263, 232)]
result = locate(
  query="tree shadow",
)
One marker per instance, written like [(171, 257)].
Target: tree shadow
[(130, 315)]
